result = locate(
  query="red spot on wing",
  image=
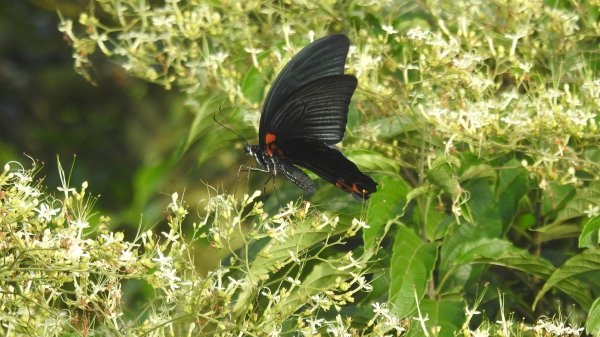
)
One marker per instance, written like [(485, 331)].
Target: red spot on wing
[(270, 138), (271, 145), (354, 188)]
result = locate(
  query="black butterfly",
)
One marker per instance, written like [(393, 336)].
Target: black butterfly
[(305, 114)]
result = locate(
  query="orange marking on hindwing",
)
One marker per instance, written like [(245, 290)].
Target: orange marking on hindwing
[(354, 188), (270, 142)]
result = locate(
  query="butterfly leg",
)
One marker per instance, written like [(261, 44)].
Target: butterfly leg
[(244, 168)]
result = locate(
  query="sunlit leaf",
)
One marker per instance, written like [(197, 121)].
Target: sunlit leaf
[(582, 201), (592, 324), (585, 262), (386, 205), (411, 267), (371, 161), (442, 176), (278, 254), (253, 85), (589, 234), (513, 185), (445, 317), (558, 231), (477, 172)]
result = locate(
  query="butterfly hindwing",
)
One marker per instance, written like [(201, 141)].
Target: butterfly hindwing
[(317, 110), (328, 163), (296, 175)]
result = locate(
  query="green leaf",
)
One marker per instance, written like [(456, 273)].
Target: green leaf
[(446, 317), (513, 185), (372, 161), (592, 155), (485, 247), (518, 259), (443, 176), (557, 231), (253, 85), (482, 207), (555, 197), (277, 254), (478, 172), (390, 127), (456, 276), (322, 277), (385, 206), (589, 234), (411, 268), (585, 262), (503, 253), (592, 324), (584, 198)]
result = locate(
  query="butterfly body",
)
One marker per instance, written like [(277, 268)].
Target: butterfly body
[(305, 115)]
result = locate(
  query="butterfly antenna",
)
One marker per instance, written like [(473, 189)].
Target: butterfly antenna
[(229, 129)]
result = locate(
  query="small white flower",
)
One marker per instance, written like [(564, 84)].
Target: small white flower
[(418, 34), (592, 211), (526, 67), (45, 213), (293, 281), (76, 252), (163, 260), (253, 52), (389, 29), (163, 21), (127, 256), (171, 236), (360, 223), (80, 224)]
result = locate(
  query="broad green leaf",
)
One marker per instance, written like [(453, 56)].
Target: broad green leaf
[(371, 161), (456, 276), (513, 185), (445, 318), (592, 155), (443, 176), (482, 207), (277, 254), (581, 202), (253, 85), (589, 234), (592, 324), (485, 247), (322, 277), (503, 253), (478, 172), (557, 231), (525, 221), (385, 205), (437, 223), (389, 127), (411, 266), (555, 197), (587, 261)]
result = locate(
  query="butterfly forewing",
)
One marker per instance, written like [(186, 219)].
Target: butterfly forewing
[(322, 58), (317, 110)]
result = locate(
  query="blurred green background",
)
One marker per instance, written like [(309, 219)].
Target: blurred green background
[(119, 134), (128, 138)]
